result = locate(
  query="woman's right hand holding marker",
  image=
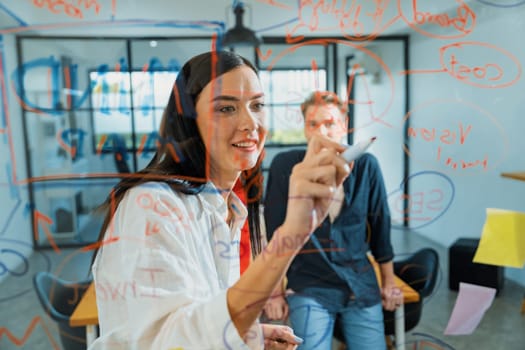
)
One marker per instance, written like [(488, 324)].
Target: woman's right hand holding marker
[(312, 185)]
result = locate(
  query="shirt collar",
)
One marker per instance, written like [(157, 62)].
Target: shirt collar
[(214, 200), (238, 210)]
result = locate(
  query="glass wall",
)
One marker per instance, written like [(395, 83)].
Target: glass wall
[(54, 85), (368, 75), (93, 118), (89, 120)]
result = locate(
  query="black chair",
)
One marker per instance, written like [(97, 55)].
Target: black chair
[(59, 298), (420, 271)]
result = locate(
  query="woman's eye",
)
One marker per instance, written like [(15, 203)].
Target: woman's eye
[(258, 106), (226, 109)]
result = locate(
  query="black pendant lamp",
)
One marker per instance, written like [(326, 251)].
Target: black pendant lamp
[(239, 35)]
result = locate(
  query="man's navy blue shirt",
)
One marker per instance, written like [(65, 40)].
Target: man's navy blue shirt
[(363, 224)]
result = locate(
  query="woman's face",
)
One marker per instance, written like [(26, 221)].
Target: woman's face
[(231, 121)]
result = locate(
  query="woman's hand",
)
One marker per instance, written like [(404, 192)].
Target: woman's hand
[(276, 308), (278, 337), (312, 185)]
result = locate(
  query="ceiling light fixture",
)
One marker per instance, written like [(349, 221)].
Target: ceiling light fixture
[(239, 35)]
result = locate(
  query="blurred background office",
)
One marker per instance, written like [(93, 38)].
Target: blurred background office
[(84, 84)]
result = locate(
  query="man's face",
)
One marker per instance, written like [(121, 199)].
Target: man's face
[(327, 120)]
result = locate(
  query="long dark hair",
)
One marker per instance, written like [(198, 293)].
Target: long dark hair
[(180, 159)]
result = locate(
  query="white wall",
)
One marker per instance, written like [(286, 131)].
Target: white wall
[(494, 112), (379, 109)]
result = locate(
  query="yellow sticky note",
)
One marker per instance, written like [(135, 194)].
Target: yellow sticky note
[(502, 241)]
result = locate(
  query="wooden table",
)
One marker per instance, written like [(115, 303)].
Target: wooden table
[(86, 312), (519, 175)]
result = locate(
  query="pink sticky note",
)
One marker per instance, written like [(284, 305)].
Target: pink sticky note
[(471, 304)]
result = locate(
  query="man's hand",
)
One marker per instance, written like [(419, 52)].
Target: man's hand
[(276, 308), (392, 297)]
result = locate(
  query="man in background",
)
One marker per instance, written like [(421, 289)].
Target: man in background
[(332, 275)]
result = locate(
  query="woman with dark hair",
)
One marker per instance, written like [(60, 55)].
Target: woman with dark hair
[(167, 270)]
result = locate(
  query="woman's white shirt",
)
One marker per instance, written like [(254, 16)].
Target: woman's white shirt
[(162, 272)]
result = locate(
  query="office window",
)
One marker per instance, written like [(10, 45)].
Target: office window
[(113, 102), (118, 109), (285, 89)]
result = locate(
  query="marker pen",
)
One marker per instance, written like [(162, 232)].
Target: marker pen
[(357, 150)]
